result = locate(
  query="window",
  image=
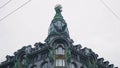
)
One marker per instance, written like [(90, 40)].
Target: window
[(45, 65), (60, 56), (60, 62), (22, 61), (82, 67), (33, 66), (73, 65), (60, 51)]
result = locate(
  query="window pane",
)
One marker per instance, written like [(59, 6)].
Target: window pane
[(60, 62), (60, 50), (73, 65), (57, 62), (63, 51), (45, 65), (63, 63)]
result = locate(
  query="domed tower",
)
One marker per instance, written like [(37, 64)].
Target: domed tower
[(58, 51), (62, 52), (58, 26), (59, 40)]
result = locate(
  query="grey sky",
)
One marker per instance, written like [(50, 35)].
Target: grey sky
[(90, 24)]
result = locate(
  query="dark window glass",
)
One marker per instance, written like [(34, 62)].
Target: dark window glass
[(73, 65), (45, 65), (82, 67), (22, 61), (34, 66)]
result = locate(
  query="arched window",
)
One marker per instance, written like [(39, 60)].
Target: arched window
[(60, 56), (60, 62), (22, 61), (82, 67), (73, 65), (33, 66), (60, 51), (45, 65)]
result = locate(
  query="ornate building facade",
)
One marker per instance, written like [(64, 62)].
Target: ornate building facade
[(58, 51)]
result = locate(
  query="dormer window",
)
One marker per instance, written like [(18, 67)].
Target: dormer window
[(45, 65), (60, 56), (60, 51), (73, 65), (22, 61)]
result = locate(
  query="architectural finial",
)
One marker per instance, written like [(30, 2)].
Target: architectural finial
[(58, 8)]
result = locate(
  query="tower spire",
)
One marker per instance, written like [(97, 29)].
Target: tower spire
[(58, 26), (58, 9)]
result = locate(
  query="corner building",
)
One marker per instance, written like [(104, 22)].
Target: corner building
[(58, 51)]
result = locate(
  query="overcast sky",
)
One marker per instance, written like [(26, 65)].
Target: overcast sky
[(92, 23)]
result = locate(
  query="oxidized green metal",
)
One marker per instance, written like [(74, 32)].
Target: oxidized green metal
[(58, 25), (68, 54), (51, 55)]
